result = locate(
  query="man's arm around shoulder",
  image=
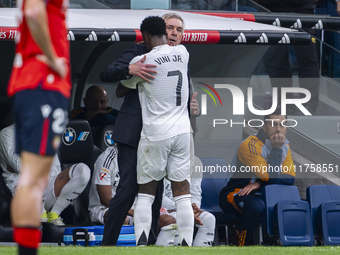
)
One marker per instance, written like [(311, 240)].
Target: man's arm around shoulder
[(119, 69)]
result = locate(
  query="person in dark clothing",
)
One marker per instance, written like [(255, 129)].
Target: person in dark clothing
[(255, 160), (96, 111), (276, 59), (126, 134)]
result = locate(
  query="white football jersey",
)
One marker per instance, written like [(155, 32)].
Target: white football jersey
[(164, 100), (105, 173)]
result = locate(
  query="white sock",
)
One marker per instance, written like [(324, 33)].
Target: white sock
[(80, 176), (185, 219), (166, 236), (143, 217), (206, 232)]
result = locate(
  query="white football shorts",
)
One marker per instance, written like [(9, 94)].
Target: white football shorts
[(166, 158)]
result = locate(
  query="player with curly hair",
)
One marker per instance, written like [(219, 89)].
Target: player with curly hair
[(164, 148)]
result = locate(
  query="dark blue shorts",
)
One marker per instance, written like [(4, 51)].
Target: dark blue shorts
[(40, 118)]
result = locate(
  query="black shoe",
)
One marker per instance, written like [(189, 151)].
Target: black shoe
[(184, 243), (241, 240), (143, 241)]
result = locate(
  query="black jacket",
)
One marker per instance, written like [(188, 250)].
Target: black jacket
[(129, 120)]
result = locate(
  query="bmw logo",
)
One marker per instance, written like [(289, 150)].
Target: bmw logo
[(108, 138), (69, 136)]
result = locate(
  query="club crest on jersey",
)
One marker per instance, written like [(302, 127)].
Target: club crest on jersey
[(101, 176), (108, 138), (69, 136)]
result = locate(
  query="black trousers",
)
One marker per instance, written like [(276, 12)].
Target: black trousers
[(252, 208), (126, 192)]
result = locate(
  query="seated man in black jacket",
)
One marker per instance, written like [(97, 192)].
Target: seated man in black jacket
[(261, 159), (96, 111)]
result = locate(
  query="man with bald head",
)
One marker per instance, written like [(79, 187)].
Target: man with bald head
[(96, 111)]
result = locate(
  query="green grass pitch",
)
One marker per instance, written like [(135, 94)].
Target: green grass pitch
[(150, 250)]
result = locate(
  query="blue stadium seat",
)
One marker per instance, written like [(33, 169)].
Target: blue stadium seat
[(272, 194), (293, 221), (211, 187), (283, 214), (330, 222), (324, 202)]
